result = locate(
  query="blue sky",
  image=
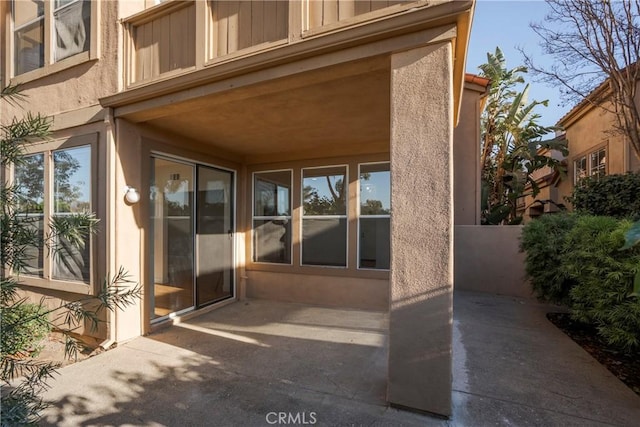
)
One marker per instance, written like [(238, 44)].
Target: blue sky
[(506, 24)]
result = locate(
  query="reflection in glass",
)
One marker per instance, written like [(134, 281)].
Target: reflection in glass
[(324, 191), (172, 236), (374, 243), (324, 220), (324, 241), (72, 23), (29, 181), (374, 218), (272, 217), (214, 235), (71, 196), (29, 47)]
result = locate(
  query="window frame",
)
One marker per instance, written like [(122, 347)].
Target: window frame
[(359, 216), (586, 156), (255, 217), (47, 149), (345, 216), (50, 65)]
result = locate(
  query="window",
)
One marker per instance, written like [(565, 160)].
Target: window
[(272, 217), (324, 216), (46, 32), (598, 163), (44, 200), (374, 216), (593, 164)]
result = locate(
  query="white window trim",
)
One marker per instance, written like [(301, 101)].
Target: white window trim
[(587, 156), (269, 218), (50, 65), (359, 216), (345, 216)]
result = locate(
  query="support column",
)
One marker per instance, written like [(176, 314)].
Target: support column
[(421, 280)]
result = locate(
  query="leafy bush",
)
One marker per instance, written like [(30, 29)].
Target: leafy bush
[(613, 195), (543, 242), (604, 277), (23, 325)]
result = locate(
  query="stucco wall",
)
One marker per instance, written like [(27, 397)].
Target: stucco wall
[(352, 292), (421, 229), (488, 259), (78, 86), (466, 158), (590, 132)]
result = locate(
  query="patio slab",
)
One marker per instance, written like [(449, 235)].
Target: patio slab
[(246, 363)]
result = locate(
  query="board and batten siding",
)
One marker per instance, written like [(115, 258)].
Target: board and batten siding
[(165, 44), (326, 12), (237, 25)]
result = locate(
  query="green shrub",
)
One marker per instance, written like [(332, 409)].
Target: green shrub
[(604, 279), (613, 195), (23, 325), (543, 241)]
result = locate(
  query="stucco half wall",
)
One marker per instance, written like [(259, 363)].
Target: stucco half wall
[(488, 259)]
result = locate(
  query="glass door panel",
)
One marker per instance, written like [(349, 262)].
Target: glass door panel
[(172, 236), (214, 235)]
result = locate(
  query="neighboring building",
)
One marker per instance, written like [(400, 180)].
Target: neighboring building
[(594, 149), (548, 200), (262, 138)]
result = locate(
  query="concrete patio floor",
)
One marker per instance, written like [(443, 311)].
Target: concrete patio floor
[(245, 363)]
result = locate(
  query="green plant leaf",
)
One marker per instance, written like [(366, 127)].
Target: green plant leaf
[(632, 238), (636, 286)]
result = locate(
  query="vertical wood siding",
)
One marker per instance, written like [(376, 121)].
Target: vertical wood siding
[(164, 44), (238, 25), (325, 12)]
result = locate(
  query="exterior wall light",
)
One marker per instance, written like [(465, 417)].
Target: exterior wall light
[(131, 195)]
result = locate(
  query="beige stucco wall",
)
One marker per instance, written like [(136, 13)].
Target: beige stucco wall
[(421, 229), (466, 158), (488, 259), (351, 292), (591, 131), (80, 85)]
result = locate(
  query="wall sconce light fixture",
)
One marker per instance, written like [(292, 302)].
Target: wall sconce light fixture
[(131, 195)]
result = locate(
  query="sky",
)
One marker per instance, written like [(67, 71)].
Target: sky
[(505, 24)]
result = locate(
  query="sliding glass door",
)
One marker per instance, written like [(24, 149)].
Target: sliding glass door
[(191, 236), (214, 235)]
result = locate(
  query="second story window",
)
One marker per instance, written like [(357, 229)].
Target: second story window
[(593, 164), (45, 32)]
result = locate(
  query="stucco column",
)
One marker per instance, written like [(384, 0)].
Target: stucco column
[(421, 229)]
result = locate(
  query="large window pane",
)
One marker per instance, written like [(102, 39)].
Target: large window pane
[(272, 241), (374, 219), (29, 47), (27, 10), (72, 23), (374, 243), (324, 220), (375, 181), (272, 217), (324, 241), (272, 193), (172, 235), (71, 196), (324, 191), (29, 181)]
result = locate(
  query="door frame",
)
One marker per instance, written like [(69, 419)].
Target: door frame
[(149, 242)]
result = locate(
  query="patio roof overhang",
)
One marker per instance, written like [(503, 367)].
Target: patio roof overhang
[(331, 92)]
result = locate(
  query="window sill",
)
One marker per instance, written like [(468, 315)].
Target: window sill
[(58, 285), (54, 68)]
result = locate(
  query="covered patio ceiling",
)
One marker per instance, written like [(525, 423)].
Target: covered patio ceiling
[(332, 111)]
